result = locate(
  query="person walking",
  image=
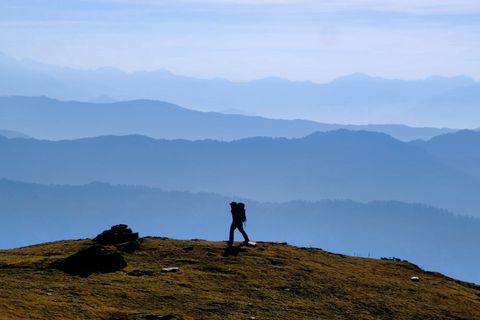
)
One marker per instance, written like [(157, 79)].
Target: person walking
[(238, 218)]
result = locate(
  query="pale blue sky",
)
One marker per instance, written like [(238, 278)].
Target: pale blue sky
[(247, 39)]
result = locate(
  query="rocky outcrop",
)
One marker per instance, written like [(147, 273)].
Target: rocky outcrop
[(93, 259), (105, 255), (117, 234)]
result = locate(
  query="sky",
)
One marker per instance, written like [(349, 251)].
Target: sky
[(249, 39)]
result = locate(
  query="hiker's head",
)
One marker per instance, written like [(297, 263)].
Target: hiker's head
[(233, 204), (241, 205)]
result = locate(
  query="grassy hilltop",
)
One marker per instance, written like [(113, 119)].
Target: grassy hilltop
[(271, 281)]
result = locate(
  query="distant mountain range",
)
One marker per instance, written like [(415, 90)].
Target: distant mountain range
[(13, 134), (47, 118), (357, 165), (433, 238), (460, 150), (358, 98)]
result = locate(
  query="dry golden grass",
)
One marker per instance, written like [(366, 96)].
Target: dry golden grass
[(271, 281)]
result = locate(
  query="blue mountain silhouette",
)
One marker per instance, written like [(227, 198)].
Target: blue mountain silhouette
[(358, 98), (357, 165), (47, 118)]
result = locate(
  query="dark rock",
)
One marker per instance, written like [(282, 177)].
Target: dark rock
[(129, 247), (391, 259), (92, 259), (119, 233), (233, 251), (189, 248)]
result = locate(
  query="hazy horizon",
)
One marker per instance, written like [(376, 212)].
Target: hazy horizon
[(213, 77), (246, 40)]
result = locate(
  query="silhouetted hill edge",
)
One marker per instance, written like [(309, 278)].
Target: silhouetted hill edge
[(52, 119), (434, 238)]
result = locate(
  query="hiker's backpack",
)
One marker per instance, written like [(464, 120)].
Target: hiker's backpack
[(241, 214)]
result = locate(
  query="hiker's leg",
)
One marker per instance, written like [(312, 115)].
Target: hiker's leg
[(230, 238), (242, 231)]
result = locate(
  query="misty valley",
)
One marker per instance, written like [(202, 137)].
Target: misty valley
[(348, 190)]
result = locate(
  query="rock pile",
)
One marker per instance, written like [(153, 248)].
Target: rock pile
[(121, 236), (117, 234), (102, 256)]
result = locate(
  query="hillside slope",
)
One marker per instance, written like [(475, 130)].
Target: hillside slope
[(271, 281)]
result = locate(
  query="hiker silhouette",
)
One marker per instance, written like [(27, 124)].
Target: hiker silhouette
[(238, 218)]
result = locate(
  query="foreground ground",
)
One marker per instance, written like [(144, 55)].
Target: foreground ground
[(271, 281)]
